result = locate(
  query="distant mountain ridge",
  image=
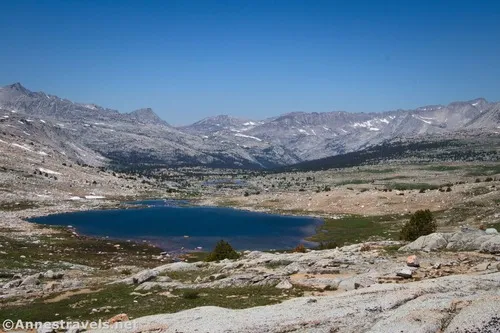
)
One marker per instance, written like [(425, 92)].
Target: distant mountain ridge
[(142, 137), (19, 98)]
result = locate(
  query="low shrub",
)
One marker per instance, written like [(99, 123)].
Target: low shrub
[(190, 294), (223, 250), (300, 248), (365, 247), (421, 223)]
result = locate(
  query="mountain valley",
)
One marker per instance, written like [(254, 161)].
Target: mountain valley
[(97, 136)]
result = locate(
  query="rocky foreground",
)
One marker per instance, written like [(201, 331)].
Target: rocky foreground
[(465, 303), (357, 288), (443, 282)]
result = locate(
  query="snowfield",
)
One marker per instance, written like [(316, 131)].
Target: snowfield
[(21, 146), (50, 172), (421, 119), (247, 136), (94, 197)]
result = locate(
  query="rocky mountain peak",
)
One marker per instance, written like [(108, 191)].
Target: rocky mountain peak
[(225, 140), (147, 116), (478, 102), (222, 120), (17, 88), (218, 123), (430, 107)]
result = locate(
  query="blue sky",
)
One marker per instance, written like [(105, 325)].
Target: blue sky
[(192, 59)]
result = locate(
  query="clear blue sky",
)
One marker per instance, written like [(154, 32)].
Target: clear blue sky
[(192, 59)]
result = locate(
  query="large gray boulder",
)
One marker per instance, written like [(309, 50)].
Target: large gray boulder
[(467, 240), (72, 284), (325, 283), (491, 231), (491, 245), (285, 284), (144, 276), (149, 274), (244, 280), (50, 274), (432, 242), (31, 281), (292, 268), (356, 282), (177, 267), (12, 284)]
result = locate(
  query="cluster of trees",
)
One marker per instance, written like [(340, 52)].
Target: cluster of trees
[(38, 172), (487, 179), (375, 155)]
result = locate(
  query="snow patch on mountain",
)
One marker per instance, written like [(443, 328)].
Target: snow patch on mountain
[(422, 119), (247, 136), (48, 171), (301, 130), (371, 124), (21, 146)]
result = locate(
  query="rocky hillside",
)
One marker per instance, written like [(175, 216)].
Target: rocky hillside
[(122, 138), (366, 287), (357, 288), (316, 135), (143, 137), (450, 305)]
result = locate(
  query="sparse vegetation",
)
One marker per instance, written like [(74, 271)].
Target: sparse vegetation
[(63, 247), (121, 299), (350, 229), (412, 186), (484, 170), (353, 182), (327, 245), (19, 205), (443, 168), (191, 275)]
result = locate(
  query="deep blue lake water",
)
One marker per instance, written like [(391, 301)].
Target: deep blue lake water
[(167, 223)]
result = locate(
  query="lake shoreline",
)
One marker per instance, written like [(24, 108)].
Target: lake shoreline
[(154, 203)]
